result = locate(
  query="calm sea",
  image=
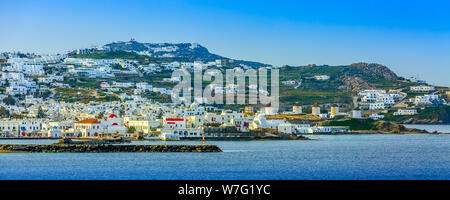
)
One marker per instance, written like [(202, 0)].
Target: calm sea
[(328, 157)]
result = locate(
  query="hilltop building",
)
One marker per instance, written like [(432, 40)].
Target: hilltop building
[(297, 108)]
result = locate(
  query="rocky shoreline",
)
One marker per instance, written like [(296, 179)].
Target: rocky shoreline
[(423, 121), (103, 148)]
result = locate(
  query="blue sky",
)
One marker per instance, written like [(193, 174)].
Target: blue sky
[(411, 37)]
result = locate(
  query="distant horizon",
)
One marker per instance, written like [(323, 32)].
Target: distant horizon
[(411, 40)]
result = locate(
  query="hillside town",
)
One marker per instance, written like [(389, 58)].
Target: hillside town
[(63, 95)]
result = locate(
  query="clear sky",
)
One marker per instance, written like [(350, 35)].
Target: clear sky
[(411, 37)]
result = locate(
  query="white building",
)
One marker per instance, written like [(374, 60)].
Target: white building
[(387, 99), (422, 89), (368, 96), (376, 116), (297, 109), (10, 126), (322, 77), (315, 110), (290, 82), (406, 112), (176, 127), (356, 114), (88, 127), (377, 106), (12, 76), (288, 128), (426, 99), (144, 86)]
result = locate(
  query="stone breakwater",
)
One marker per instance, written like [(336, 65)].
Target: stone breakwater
[(103, 148)]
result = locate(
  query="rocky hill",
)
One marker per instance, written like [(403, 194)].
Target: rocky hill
[(168, 52), (430, 115), (351, 77), (374, 71)]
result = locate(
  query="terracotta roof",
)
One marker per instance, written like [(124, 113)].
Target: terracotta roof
[(174, 119), (88, 121)]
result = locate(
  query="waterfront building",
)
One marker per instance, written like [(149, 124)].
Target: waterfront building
[(114, 126), (55, 134), (143, 126), (260, 122), (88, 127), (10, 127), (177, 127), (289, 128), (329, 129)]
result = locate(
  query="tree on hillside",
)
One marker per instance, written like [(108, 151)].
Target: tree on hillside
[(46, 93), (41, 113), (36, 93), (9, 100), (100, 115), (122, 111), (4, 113)]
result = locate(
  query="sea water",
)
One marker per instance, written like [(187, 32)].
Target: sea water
[(378, 156)]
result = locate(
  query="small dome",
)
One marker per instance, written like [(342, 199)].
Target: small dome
[(115, 124), (112, 116)]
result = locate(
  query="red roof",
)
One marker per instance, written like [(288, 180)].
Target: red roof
[(115, 124), (88, 121), (174, 119), (112, 116)]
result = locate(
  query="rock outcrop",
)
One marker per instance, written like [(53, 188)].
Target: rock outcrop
[(391, 127), (104, 148)]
